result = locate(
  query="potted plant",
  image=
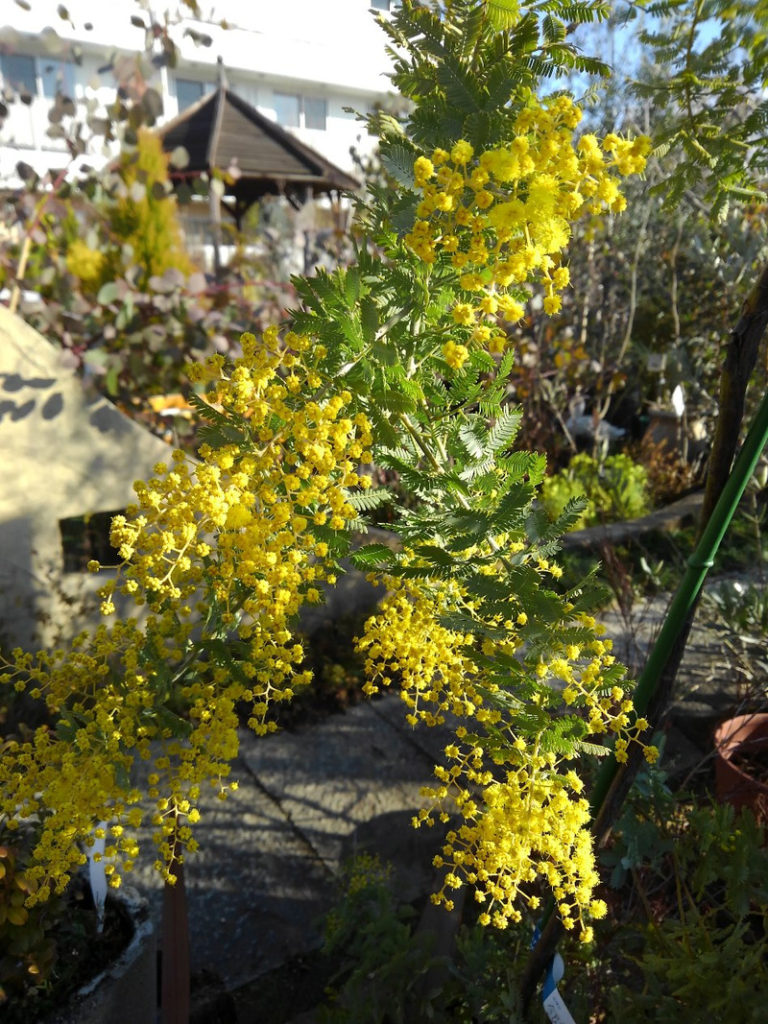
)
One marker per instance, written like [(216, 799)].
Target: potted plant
[(741, 762), (741, 740), (77, 958)]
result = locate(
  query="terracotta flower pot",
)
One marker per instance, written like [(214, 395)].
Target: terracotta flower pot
[(744, 736)]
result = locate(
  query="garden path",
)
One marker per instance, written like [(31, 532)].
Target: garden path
[(270, 854)]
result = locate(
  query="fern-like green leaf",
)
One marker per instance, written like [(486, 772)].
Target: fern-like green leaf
[(460, 89), (373, 556), (367, 501), (219, 428), (397, 158), (472, 438), (504, 430), (503, 13), (434, 555)]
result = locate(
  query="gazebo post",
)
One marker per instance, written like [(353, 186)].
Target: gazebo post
[(215, 214), (216, 192)]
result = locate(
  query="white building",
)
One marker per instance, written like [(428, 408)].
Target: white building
[(303, 63)]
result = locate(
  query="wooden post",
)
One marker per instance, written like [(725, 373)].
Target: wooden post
[(175, 971), (214, 201)]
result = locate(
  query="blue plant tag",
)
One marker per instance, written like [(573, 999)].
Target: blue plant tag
[(551, 1000)]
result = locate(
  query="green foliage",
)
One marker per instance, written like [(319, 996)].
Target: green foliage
[(27, 951), (709, 60), (697, 936), (50, 950), (107, 280), (144, 216), (715, 974), (738, 612), (744, 606), (105, 272), (468, 81), (384, 960), (381, 961), (614, 488)]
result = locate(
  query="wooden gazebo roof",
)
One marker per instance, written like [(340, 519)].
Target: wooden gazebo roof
[(221, 131)]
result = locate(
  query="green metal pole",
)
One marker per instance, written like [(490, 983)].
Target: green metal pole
[(698, 566)]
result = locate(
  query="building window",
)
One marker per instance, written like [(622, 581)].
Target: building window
[(188, 91), (315, 113), (58, 78), (294, 111), (86, 538), (288, 109), (35, 77), (19, 73)]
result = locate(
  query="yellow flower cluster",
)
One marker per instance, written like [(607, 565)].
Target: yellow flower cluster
[(532, 825), (85, 263), (406, 641), (522, 820), (69, 777), (503, 217), (240, 523), (221, 553)]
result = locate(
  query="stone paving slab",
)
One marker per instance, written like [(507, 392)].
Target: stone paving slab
[(333, 777), (255, 888), (708, 687)]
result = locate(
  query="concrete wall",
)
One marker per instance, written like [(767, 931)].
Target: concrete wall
[(63, 455)]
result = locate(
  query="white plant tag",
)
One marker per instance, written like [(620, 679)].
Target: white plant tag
[(556, 1010), (97, 876), (678, 401)]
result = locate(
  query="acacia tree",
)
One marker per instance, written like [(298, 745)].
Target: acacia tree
[(400, 360)]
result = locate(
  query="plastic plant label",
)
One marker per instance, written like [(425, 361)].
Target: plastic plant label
[(551, 1000), (556, 1010), (97, 876)]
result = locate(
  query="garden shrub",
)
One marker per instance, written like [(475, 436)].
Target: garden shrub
[(132, 224), (614, 488), (144, 216), (106, 277), (387, 970), (27, 951), (686, 935), (381, 960), (689, 936), (670, 475)]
